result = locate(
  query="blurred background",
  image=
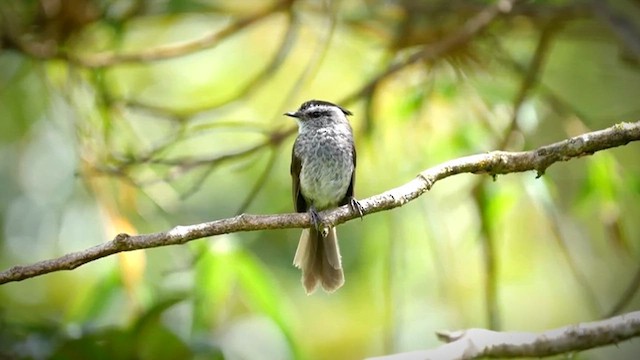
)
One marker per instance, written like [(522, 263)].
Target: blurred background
[(136, 116)]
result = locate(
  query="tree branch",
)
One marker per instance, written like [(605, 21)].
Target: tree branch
[(476, 343), (493, 163)]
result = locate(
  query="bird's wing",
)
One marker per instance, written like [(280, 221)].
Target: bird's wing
[(296, 165)]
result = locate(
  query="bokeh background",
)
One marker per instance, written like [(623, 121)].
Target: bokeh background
[(136, 116)]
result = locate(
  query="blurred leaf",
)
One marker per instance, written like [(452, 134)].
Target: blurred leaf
[(153, 339), (188, 6), (19, 81), (500, 200), (411, 104), (264, 294), (224, 274), (215, 279), (602, 177), (260, 287), (97, 300), (104, 345)]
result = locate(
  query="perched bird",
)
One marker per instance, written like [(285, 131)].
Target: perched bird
[(323, 164)]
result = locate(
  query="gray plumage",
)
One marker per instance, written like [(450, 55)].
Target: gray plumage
[(323, 173)]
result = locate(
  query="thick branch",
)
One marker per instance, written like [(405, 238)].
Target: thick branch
[(497, 162), (476, 343)]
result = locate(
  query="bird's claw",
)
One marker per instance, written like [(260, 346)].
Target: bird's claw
[(356, 206), (315, 219)]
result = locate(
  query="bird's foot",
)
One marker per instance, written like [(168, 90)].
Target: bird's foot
[(356, 206), (317, 222)]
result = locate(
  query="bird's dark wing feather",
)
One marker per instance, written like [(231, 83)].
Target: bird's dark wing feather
[(349, 194), (298, 200)]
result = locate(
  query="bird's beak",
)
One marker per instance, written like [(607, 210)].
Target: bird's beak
[(292, 114)]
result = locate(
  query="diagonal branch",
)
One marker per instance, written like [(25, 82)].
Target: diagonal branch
[(493, 163), (481, 343)]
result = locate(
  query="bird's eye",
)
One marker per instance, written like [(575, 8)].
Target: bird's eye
[(315, 114)]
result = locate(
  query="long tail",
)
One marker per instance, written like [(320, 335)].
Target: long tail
[(319, 259)]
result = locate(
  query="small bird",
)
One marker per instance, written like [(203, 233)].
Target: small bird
[(323, 164)]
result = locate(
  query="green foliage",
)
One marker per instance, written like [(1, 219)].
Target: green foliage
[(139, 116), (19, 81)]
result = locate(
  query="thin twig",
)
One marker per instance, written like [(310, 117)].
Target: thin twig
[(621, 24), (251, 86), (259, 184), (489, 257), (557, 228), (530, 79), (627, 295)]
